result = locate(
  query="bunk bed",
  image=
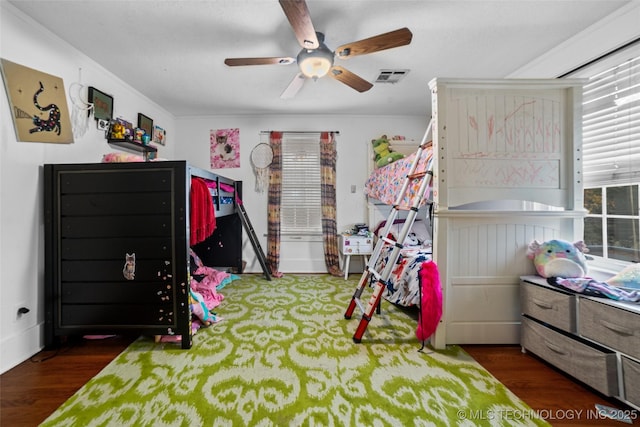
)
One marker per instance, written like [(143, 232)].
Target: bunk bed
[(506, 172), (382, 188), (117, 246)]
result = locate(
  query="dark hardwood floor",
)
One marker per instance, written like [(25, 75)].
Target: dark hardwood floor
[(557, 397), (31, 391), (34, 389)]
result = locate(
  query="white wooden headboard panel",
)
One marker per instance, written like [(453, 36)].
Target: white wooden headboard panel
[(508, 140)]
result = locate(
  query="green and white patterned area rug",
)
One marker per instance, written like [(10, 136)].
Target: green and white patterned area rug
[(283, 355)]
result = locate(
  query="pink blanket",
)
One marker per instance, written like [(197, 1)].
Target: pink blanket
[(207, 286), (385, 183)]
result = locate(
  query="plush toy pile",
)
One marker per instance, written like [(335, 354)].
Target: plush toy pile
[(565, 265), (206, 282), (383, 152), (204, 296)]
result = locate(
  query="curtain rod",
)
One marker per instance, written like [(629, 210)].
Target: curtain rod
[(263, 132)]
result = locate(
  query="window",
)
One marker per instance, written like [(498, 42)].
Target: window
[(611, 156), (611, 227), (300, 204)]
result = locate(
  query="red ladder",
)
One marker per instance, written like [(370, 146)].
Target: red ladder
[(370, 275)]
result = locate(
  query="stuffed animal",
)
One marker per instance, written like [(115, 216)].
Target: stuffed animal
[(117, 131), (412, 240), (383, 153), (200, 310), (629, 277), (559, 258)]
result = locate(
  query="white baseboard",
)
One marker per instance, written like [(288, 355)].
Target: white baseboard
[(20, 347)]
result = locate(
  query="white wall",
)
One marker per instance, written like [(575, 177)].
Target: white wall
[(353, 152), (21, 219)]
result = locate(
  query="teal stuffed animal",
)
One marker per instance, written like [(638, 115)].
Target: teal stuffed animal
[(559, 258)]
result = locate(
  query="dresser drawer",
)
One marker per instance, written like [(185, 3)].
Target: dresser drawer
[(143, 204), (631, 378), (610, 326), (111, 270), (107, 179), (593, 365), (116, 226), (128, 315), (116, 248), (552, 307)]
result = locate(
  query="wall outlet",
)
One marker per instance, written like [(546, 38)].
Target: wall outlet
[(21, 312)]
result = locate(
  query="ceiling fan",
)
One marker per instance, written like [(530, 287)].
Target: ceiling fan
[(315, 59)]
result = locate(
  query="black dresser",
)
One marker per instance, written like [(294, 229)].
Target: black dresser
[(117, 246)]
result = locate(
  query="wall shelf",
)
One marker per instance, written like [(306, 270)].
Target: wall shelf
[(133, 146)]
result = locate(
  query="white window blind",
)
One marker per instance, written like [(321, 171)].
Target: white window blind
[(300, 203), (611, 125)]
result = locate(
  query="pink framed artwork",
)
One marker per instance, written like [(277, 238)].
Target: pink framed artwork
[(225, 148)]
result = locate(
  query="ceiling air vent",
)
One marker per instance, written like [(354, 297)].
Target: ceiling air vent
[(391, 76)]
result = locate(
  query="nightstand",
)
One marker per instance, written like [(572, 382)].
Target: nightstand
[(353, 244)]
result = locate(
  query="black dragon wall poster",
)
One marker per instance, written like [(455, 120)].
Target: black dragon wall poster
[(38, 104)]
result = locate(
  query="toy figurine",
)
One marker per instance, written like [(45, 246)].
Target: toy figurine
[(139, 133), (117, 131)]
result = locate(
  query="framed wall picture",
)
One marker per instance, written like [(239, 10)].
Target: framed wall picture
[(38, 104), (102, 104), (225, 148), (146, 124)]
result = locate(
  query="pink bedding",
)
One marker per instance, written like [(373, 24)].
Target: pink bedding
[(385, 183)]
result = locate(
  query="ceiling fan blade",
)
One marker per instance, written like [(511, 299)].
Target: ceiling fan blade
[(350, 79), (234, 62), (377, 43), (298, 15), (293, 88)]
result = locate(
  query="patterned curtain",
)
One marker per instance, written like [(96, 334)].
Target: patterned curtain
[(273, 209), (328, 192)]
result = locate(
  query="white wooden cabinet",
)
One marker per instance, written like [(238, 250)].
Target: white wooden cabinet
[(352, 244), (507, 171)]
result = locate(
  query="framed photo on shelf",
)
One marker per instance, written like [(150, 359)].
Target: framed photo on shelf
[(145, 123), (102, 104), (159, 135)]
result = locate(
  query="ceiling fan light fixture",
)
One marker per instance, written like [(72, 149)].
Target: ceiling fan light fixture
[(315, 63), (315, 60)]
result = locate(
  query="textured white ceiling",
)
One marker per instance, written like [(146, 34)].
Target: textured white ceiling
[(173, 51)]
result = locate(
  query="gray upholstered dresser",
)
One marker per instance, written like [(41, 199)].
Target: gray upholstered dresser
[(595, 340)]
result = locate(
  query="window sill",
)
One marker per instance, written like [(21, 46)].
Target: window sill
[(300, 238), (603, 269)]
